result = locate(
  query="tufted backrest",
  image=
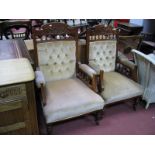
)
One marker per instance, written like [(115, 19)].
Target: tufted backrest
[(101, 43), (102, 54), (57, 59)]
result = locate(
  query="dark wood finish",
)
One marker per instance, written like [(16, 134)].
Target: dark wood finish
[(17, 101)]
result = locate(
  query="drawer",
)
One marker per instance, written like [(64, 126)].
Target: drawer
[(14, 91), (14, 116)]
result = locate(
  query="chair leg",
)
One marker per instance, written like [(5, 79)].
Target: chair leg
[(49, 129), (98, 116), (137, 101)]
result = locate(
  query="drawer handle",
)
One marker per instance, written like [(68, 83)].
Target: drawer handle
[(3, 95)]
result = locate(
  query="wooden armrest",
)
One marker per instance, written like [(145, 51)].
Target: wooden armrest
[(88, 76), (101, 81), (43, 94), (87, 69)]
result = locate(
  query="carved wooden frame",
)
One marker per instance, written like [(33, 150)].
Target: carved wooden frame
[(58, 32), (102, 32)]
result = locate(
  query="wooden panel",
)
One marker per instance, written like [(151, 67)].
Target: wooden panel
[(12, 127), (32, 107), (13, 115), (10, 106), (13, 91)]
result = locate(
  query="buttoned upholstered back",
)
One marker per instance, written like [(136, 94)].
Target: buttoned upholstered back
[(57, 54), (101, 48)]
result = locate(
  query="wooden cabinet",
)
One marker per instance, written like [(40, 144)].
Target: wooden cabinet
[(17, 99)]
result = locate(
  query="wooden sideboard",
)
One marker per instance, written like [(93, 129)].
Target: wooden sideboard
[(17, 98)]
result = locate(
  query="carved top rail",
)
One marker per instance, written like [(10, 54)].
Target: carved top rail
[(54, 31), (101, 32)]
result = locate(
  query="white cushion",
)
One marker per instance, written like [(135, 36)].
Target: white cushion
[(103, 54), (57, 59), (118, 87), (69, 98)]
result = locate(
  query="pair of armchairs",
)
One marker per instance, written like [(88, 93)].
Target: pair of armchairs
[(69, 88)]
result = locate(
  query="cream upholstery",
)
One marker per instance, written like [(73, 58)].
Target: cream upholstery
[(57, 59), (15, 71), (88, 70), (69, 98), (118, 87), (39, 78), (146, 72), (102, 54)]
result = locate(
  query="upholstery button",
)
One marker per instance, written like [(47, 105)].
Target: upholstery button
[(100, 58), (107, 58), (55, 63), (110, 51)]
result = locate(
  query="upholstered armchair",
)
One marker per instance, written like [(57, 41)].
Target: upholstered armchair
[(102, 57), (146, 74), (64, 95)]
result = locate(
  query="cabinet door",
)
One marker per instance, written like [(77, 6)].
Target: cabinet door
[(14, 117)]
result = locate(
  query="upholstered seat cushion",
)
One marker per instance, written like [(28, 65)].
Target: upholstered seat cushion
[(118, 87), (69, 98)]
